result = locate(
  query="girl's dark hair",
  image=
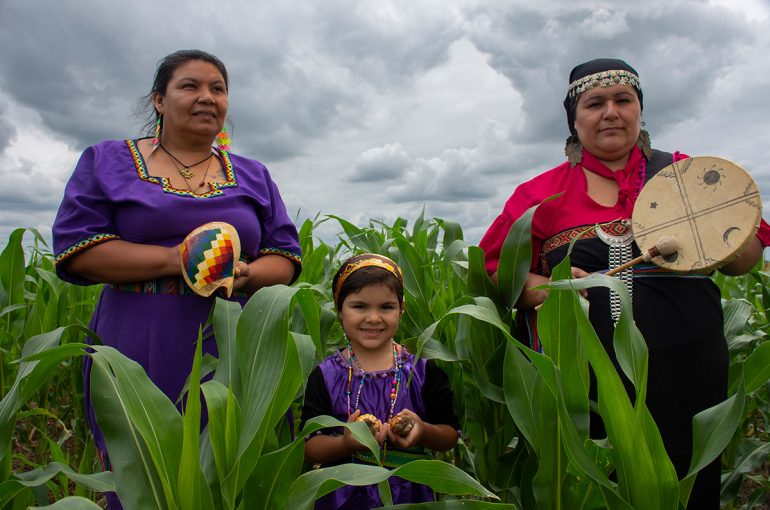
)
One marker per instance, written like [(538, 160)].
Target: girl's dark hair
[(369, 276), (163, 73)]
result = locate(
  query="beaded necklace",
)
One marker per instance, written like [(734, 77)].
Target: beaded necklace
[(395, 383)]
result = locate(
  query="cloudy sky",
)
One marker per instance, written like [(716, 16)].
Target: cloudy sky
[(376, 109)]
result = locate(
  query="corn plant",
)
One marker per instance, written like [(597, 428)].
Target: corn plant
[(746, 302), (241, 460), (48, 422), (523, 414), (547, 394)]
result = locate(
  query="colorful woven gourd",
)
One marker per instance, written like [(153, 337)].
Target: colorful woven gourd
[(208, 256)]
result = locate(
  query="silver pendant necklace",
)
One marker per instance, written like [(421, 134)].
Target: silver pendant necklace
[(619, 253)]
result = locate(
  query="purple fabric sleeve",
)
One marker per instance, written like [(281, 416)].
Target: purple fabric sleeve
[(84, 218)]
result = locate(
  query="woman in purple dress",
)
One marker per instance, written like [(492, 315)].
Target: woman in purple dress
[(130, 203)]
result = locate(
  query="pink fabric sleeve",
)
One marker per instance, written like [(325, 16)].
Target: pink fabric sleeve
[(764, 233), (522, 199)]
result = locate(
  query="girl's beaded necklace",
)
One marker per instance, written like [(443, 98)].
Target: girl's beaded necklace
[(395, 383), (394, 389)]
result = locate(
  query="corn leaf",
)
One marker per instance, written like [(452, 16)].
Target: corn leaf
[(194, 493), (148, 410), (440, 476), (515, 259), (70, 503)]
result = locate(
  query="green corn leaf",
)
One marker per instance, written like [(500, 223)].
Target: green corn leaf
[(312, 316), (479, 283), (270, 371), (70, 503), (306, 351), (40, 357), (153, 415), (194, 493), (754, 453), (10, 489), (518, 381), (547, 485), (515, 259), (12, 268), (668, 483), (276, 471), (557, 328), (712, 429), (136, 477), (756, 367), (440, 476), (417, 278), (224, 423), (638, 482), (630, 347), (737, 313), (358, 236), (456, 504), (225, 321), (453, 232)]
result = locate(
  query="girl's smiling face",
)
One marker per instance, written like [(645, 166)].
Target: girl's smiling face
[(370, 317)]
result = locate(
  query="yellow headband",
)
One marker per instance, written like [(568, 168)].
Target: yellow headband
[(373, 261)]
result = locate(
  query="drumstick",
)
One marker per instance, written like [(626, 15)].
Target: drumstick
[(666, 245)]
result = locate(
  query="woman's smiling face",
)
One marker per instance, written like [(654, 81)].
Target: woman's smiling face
[(608, 121), (195, 101)]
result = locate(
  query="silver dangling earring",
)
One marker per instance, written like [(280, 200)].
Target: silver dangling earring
[(643, 142), (573, 149)]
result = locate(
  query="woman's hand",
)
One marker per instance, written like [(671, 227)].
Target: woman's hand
[(241, 274), (263, 272), (746, 259), (533, 298)]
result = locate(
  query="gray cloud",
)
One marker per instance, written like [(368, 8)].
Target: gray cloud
[(385, 163), (7, 130), (373, 109), (678, 51)]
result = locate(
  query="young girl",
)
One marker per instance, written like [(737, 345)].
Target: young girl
[(372, 376)]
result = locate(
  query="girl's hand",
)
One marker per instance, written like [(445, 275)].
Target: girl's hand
[(354, 446), (414, 436)]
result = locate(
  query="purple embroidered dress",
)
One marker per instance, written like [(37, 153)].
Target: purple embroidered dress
[(111, 196), (428, 395)]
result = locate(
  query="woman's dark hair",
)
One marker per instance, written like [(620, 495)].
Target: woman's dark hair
[(369, 276), (166, 67)]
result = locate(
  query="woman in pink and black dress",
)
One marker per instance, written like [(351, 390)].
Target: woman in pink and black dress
[(609, 160), (130, 203)]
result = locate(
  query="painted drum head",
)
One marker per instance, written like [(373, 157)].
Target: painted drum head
[(710, 205), (208, 256)]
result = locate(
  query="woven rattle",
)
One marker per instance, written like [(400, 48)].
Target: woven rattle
[(208, 256)]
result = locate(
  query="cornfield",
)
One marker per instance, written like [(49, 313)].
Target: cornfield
[(525, 441)]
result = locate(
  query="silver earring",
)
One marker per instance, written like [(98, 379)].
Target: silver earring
[(643, 142), (573, 149)]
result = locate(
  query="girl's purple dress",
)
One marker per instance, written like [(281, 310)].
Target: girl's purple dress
[(111, 196), (428, 395)]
